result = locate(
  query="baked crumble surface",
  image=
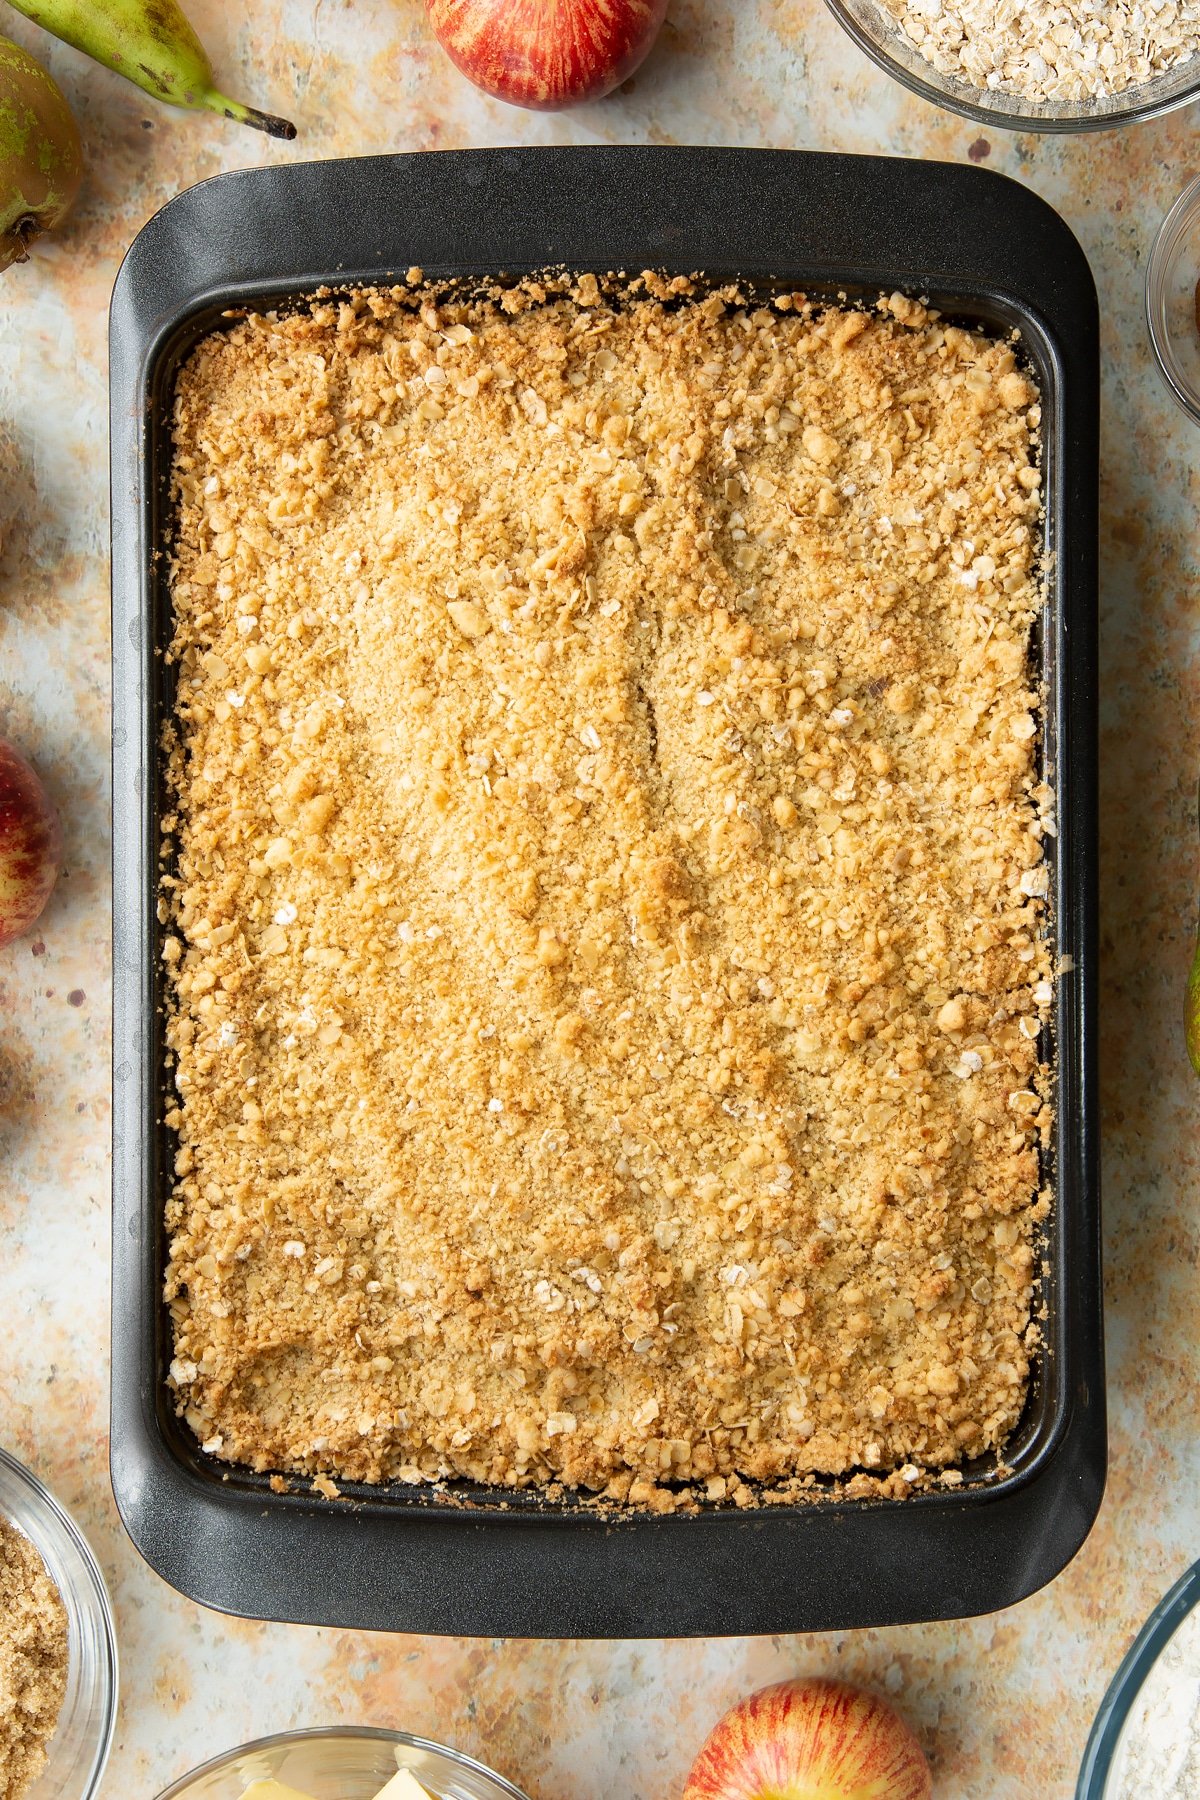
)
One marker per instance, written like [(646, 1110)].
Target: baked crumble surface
[(604, 892)]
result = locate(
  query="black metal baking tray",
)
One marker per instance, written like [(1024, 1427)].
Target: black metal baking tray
[(983, 249)]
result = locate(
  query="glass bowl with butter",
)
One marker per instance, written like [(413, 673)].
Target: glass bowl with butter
[(342, 1763)]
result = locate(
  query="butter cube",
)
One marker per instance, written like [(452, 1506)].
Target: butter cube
[(403, 1786), (273, 1790)]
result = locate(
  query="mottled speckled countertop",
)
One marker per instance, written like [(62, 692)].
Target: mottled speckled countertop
[(1003, 1703)]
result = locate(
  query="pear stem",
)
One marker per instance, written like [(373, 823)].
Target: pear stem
[(249, 115)]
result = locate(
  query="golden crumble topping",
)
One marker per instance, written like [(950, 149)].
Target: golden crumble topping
[(604, 892)]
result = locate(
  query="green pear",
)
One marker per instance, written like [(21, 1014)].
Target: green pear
[(41, 160), (151, 43)]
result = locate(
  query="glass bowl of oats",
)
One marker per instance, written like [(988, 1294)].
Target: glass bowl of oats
[(1034, 65), (58, 1653)]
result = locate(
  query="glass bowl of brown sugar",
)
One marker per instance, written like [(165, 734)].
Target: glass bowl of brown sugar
[(58, 1651)]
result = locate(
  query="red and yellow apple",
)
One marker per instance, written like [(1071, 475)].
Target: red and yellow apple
[(30, 844), (810, 1740), (546, 54)]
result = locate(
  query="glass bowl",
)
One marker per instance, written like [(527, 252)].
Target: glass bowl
[(78, 1749), (342, 1763), (877, 33), (1171, 276), (1101, 1769)]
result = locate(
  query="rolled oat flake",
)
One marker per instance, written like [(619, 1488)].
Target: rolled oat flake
[(1048, 50), (1158, 1751)]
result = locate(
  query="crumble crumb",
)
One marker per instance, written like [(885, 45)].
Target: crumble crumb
[(604, 895), (33, 1661)]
